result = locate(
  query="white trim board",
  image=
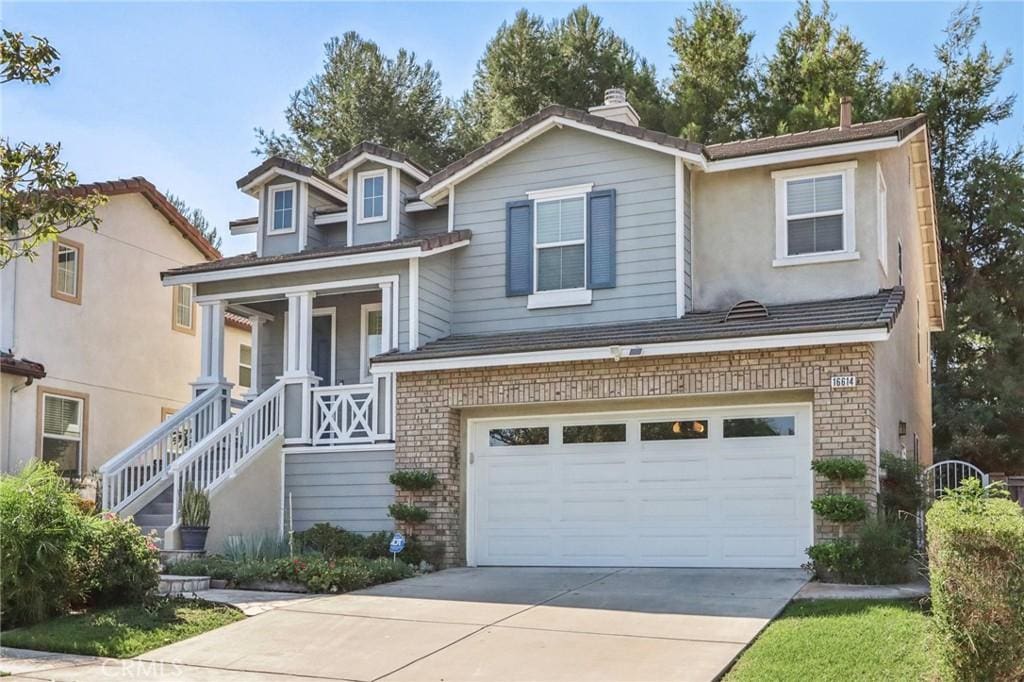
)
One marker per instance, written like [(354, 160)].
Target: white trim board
[(324, 187), (307, 264), (278, 292), (363, 157), (646, 350)]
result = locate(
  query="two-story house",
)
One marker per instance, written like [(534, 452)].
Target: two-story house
[(95, 352), (613, 346)]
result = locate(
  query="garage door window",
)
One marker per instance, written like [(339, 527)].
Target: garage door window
[(756, 427), (528, 435), (692, 429), (594, 433)]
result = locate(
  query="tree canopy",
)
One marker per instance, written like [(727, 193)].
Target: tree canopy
[(197, 218)]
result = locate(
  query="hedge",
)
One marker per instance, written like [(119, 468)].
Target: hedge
[(976, 557)]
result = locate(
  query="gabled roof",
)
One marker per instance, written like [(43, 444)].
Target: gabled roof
[(374, 151), (140, 185), (899, 127), (246, 260), (281, 163), (878, 311)]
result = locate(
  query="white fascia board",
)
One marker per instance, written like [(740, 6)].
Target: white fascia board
[(331, 190), (432, 195), (309, 264), (331, 218), (808, 153), (417, 206), (403, 166), (646, 350), (245, 228), (276, 293)]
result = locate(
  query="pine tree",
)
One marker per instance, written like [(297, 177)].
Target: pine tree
[(363, 94), (712, 81), (196, 217)]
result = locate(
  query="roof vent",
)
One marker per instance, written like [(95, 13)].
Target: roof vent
[(747, 310), (616, 108)]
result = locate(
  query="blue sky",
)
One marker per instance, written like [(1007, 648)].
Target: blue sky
[(173, 91)]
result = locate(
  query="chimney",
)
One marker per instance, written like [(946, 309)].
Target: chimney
[(845, 112), (616, 108)]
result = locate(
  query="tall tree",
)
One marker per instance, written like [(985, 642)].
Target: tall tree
[(979, 358), (814, 65), (528, 65), (712, 77), (363, 94), (197, 218), (35, 202)]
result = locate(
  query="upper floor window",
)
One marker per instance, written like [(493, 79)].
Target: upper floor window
[(183, 313), (560, 239), (245, 366), (372, 196), (66, 278), (814, 214), (282, 203), (62, 421)]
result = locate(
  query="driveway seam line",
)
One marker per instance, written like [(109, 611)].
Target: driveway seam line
[(403, 620), (484, 627), (620, 634)]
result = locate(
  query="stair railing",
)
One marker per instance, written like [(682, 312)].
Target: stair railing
[(230, 446), (146, 462)]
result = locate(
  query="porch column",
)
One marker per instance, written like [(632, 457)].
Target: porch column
[(211, 359), (298, 368), (389, 325), (255, 325)]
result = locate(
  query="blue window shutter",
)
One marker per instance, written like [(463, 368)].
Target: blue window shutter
[(601, 239), (519, 248)]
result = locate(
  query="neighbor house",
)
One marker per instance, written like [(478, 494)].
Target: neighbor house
[(611, 345), (95, 352)]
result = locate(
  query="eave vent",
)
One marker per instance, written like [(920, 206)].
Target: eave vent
[(747, 310)]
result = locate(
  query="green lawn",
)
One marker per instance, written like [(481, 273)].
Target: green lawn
[(841, 640), (123, 631)]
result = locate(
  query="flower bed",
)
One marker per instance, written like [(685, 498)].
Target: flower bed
[(312, 573)]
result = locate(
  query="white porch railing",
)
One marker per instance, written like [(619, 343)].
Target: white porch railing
[(357, 413), (145, 463), (229, 446)]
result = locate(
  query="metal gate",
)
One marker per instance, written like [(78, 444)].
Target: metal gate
[(949, 474)]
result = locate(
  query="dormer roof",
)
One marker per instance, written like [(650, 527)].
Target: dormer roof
[(280, 166), (371, 151)]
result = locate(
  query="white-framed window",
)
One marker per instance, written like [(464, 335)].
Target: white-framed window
[(245, 366), (814, 214), (282, 209), (183, 313), (882, 220), (373, 192), (66, 283), (371, 337), (62, 430)]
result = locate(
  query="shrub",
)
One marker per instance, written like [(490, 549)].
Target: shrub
[(119, 564), (840, 508), (195, 508), (334, 543), (885, 549), (901, 494), (255, 547), (410, 513), (976, 557), (41, 528), (412, 479), (840, 468), (316, 573), (835, 560)]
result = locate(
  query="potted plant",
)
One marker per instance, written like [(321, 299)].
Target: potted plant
[(195, 519)]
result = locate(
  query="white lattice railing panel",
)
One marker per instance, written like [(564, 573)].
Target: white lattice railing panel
[(351, 414), (232, 444), (146, 462)]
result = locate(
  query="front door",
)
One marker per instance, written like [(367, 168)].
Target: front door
[(323, 348)]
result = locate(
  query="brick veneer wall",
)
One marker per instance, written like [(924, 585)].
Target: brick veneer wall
[(428, 434)]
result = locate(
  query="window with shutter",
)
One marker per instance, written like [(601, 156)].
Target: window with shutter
[(62, 432), (560, 243)]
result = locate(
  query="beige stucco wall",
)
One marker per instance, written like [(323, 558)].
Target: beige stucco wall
[(250, 503), (903, 384), (734, 241), (116, 346), (234, 339)]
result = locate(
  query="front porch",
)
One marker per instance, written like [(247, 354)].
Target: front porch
[(318, 344)]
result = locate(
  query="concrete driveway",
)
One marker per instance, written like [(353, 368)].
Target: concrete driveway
[(499, 624)]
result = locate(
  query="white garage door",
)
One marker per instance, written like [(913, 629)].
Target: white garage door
[(716, 487)]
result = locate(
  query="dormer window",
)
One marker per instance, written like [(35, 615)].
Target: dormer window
[(373, 187), (814, 220), (282, 207)]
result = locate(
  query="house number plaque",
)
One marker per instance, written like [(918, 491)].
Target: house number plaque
[(844, 381)]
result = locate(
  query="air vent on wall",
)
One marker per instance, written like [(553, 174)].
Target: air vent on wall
[(746, 310)]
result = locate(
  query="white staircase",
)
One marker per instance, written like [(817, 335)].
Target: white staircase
[(196, 447)]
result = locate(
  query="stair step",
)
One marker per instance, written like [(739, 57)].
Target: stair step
[(161, 508), (183, 584), (153, 520)]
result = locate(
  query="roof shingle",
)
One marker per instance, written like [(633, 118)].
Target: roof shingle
[(368, 147), (863, 312)]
